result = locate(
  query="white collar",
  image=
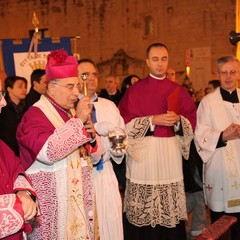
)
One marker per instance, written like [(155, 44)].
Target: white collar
[(157, 77)]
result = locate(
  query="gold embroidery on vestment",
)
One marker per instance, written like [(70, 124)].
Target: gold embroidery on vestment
[(234, 203)]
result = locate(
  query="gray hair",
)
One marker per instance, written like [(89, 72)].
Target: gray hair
[(222, 60)]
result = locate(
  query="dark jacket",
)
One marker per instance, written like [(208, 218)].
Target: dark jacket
[(192, 171), (32, 97), (10, 117), (116, 98)]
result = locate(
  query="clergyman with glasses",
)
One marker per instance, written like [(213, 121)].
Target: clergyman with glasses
[(217, 138), (59, 153), (107, 119)]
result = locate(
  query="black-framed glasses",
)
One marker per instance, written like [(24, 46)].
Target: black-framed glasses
[(2, 94), (69, 86)]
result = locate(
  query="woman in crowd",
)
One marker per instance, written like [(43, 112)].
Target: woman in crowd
[(128, 81), (16, 91)]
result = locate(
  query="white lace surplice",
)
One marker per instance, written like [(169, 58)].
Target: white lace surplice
[(155, 192)]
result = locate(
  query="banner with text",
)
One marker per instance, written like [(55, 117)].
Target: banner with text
[(15, 54), (24, 65)]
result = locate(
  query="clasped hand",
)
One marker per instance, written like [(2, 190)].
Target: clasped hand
[(232, 132), (167, 119)]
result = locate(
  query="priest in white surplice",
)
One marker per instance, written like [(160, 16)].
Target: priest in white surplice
[(106, 118), (217, 138)]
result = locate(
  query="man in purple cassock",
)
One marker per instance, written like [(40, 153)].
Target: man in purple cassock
[(160, 117)]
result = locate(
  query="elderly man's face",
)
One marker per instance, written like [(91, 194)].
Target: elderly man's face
[(111, 84), (229, 75), (65, 91)]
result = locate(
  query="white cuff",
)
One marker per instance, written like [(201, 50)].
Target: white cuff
[(152, 127), (177, 125)]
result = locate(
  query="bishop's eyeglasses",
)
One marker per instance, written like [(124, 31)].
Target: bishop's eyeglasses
[(69, 86)]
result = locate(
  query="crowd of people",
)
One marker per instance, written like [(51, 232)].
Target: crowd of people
[(61, 177)]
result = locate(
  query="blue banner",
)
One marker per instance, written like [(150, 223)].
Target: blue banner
[(46, 44)]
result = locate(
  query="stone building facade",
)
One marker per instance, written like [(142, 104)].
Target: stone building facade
[(122, 30)]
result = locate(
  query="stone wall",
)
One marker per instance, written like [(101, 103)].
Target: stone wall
[(106, 26)]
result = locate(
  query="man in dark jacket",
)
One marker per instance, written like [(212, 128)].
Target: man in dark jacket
[(111, 90), (38, 86)]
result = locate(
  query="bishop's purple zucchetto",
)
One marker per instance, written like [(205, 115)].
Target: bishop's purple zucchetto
[(60, 65)]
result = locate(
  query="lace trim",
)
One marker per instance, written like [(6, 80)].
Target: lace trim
[(155, 204), (64, 139), (136, 130), (184, 141), (139, 127), (52, 196), (11, 220), (22, 183)]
